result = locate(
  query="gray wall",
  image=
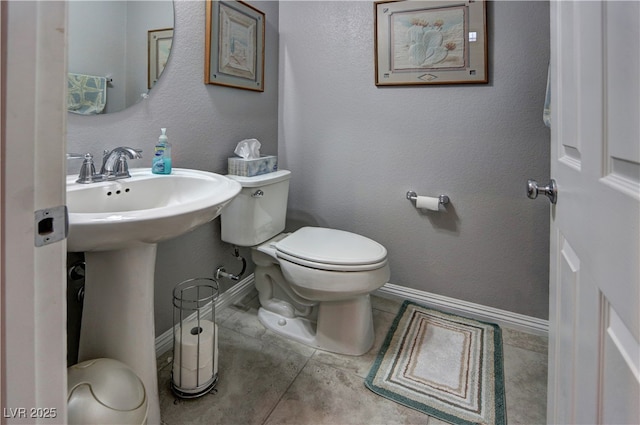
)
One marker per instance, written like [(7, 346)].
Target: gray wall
[(354, 150), (204, 123)]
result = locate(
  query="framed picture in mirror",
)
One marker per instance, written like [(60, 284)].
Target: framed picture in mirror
[(159, 42), (430, 42), (234, 45)]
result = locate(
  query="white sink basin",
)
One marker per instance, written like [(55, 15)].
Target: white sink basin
[(145, 208)]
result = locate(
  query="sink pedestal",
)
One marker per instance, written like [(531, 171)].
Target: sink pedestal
[(117, 224), (118, 314)]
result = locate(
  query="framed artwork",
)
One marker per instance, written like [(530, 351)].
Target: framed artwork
[(159, 44), (234, 45), (430, 42)]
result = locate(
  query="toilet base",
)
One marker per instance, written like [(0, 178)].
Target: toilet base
[(298, 329), (343, 327)]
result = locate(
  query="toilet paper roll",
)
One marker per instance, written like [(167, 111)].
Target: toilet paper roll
[(193, 341), (428, 203), (187, 379)]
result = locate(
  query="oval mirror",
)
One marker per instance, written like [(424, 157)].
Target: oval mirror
[(116, 52)]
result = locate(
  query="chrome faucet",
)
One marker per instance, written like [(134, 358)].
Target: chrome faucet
[(114, 165)]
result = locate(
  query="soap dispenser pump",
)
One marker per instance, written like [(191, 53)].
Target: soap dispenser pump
[(161, 163)]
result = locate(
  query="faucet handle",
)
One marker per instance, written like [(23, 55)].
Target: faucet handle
[(75, 155), (87, 170), (122, 167)]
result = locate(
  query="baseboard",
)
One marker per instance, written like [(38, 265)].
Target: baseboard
[(164, 342), (502, 318)]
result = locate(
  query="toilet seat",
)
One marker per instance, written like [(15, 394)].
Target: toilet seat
[(331, 249)]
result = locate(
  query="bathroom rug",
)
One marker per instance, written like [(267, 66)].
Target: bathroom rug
[(446, 366)]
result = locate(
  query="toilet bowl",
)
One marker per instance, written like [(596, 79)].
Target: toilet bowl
[(313, 284), (324, 304)]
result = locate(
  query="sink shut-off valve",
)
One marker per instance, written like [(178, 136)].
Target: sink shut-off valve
[(221, 272)]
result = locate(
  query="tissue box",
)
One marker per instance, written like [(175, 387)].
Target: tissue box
[(253, 167)]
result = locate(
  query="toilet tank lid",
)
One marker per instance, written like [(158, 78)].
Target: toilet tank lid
[(262, 179)]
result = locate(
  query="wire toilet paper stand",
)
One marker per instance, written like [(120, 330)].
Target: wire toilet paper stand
[(195, 338)]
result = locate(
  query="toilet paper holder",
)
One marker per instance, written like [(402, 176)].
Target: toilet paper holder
[(442, 199), (194, 371)]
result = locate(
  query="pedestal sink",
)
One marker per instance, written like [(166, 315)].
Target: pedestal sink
[(118, 224)]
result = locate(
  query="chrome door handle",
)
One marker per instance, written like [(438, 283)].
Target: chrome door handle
[(550, 190)]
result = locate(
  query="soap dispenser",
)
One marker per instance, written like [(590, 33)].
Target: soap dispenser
[(161, 163)]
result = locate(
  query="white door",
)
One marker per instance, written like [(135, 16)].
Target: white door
[(32, 168), (594, 350)]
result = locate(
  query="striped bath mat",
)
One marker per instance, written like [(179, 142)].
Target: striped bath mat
[(443, 365)]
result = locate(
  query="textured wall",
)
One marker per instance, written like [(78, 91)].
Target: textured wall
[(204, 123), (355, 150)]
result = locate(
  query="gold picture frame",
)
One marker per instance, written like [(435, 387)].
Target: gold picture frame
[(429, 42), (159, 47), (234, 45)]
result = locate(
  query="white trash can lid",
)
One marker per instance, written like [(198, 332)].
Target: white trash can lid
[(105, 391)]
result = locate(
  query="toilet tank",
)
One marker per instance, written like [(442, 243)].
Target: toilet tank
[(258, 213)]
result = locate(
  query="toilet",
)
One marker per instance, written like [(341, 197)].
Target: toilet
[(313, 284)]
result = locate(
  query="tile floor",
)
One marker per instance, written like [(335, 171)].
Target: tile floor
[(266, 379)]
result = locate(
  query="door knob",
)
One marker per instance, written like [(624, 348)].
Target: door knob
[(550, 190)]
